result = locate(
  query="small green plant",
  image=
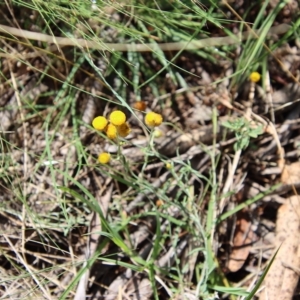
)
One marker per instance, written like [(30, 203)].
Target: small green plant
[(244, 130)]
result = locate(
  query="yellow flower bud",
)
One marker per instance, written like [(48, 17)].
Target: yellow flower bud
[(111, 131), (153, 119), (168, 166), (254, 77), (159, 202), (140, 105), (117, 118), (104, 158), (158, 133), (99, 123), (123, 130)]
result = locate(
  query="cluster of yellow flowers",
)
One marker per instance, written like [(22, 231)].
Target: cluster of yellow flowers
[(153, 119), (117, 126)]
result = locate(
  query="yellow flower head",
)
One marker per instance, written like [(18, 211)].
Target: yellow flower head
[(153, 119), (111, 131), (254, 77), (117, 118), (99, 123), (123, 130), (104, 158)]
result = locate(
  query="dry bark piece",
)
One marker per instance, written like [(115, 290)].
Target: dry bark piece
[(291, 173), (282, 278)]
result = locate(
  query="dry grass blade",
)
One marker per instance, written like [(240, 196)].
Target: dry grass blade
[(95, 228), (28, 268)]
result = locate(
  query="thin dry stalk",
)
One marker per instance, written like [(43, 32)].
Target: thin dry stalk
[(82, 43), (25, 155)]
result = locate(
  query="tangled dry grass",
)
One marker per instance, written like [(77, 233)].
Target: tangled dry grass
[(134, 229)]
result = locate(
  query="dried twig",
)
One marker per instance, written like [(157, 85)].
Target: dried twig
[(192, 45)]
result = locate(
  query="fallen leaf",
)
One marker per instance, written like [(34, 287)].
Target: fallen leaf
[(243, 237)]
